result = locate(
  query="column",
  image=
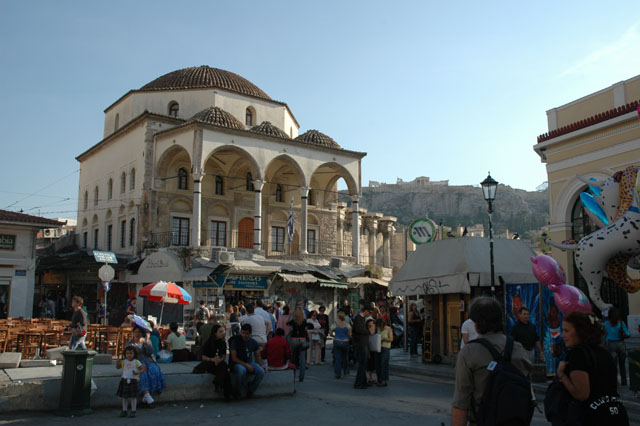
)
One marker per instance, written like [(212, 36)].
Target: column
[(196, 230), (356, 229), (372, 228), (303, 231), (387, 230), (257, 218)]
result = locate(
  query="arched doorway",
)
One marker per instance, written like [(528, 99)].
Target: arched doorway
[(245, 233)]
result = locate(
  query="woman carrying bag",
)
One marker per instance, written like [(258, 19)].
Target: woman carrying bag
[(617, 331), (584, 392)]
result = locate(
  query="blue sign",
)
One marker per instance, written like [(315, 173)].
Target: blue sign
[(105, 256), (21, 272), (241, 282)]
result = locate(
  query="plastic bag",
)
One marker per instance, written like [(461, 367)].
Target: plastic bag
[(165, 356), (94, 387)]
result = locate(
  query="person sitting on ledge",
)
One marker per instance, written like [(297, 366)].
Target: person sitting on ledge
[(243, 348)]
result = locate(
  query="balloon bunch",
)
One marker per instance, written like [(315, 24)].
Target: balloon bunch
[(567, 297)]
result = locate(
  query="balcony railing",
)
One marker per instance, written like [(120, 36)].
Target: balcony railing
[(244, 240)]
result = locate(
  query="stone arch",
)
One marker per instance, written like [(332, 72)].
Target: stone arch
[(180, 206), (218, 210), (234, 162), (108, 215), (167, 166), (285, 171), (324, 183), (85, 223), (95, 220), (312, 219), (122, 209)]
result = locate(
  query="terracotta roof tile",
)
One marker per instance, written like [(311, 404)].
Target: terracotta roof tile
[(590, 121), (217, 117), (9, 216), (266, 128), (315, 137), (205, 77)]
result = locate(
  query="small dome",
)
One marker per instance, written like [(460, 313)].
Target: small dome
[(218, 117), (315, 137), (266, 128), (205, 77)]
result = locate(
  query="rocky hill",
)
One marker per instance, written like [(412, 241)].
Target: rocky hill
[(514, 209)]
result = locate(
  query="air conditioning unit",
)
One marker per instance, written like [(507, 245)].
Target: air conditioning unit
[(224, 257), (50, 233), (335, 262), (217, 249)]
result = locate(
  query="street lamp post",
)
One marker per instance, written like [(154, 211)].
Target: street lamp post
[(489, 188)]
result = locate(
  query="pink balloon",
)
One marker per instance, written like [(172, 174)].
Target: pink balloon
[(547, 271), (570, 299)]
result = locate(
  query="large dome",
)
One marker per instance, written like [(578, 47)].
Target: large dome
[(205, 77)]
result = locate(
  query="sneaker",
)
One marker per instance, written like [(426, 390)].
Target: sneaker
[(132, 414), (123, 414)]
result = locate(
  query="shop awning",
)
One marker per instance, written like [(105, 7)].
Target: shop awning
[(367, 280), (197, 274), (334, 284), (297, 278), (457, 264)]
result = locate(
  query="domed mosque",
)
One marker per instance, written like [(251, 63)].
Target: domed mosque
[(202, 158)]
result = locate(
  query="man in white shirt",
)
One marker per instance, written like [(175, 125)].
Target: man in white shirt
[(468, 331), (260, 310), (259, 325)]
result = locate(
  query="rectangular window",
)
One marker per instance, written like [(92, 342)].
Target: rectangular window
[(132, 232), (96, 232), (277, 238), (85, 236), (311, 240), (123, 234), (218, 233), (109, 237), (180, 231)]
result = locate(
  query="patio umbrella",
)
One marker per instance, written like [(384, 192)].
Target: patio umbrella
[(165, 292)]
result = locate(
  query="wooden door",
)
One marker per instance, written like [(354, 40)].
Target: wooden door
[(453, 320), (245, 233)]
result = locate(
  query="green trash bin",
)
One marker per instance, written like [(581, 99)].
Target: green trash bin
[(75, 391), (634, 370)]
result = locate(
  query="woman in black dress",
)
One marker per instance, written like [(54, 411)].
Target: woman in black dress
[(214, 355)]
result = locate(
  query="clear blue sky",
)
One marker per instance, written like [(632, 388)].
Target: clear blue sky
[(448, 90)]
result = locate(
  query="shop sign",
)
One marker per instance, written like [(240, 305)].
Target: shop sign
[(7, 242), (423, 231), (53, 277), (21, 272), (105, 256), (241, 282)]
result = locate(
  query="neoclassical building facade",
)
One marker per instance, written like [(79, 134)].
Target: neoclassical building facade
[(594, 136), (201, 157)]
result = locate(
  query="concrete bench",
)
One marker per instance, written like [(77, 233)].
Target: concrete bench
[(275, 382), (10, 360)]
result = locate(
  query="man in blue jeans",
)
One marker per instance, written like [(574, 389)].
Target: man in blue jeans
[(243, 349)]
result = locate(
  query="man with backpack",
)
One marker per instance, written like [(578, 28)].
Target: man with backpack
[(202, 315), (492, 373)]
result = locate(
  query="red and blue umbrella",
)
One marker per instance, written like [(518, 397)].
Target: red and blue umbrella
[(165, 292)]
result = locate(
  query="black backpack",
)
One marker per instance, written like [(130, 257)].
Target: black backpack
[(507, 398)]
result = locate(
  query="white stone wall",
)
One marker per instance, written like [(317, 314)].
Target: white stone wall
[(23, 259)]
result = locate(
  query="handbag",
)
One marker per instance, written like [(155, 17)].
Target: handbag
[(375, 343), (621, 332)]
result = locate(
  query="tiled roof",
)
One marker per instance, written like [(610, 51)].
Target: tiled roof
[(594, 119), (9, 216), (217, 117), (266, 128), (315, 137), (205, 77)]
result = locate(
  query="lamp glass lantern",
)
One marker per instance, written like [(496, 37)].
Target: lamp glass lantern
[(489, 188)]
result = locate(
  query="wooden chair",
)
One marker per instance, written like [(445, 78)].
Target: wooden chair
[(31, 341), (50, 339), (4, 339), (112, 341)]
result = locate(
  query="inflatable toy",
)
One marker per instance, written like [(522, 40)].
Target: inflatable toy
[(567, 297)]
